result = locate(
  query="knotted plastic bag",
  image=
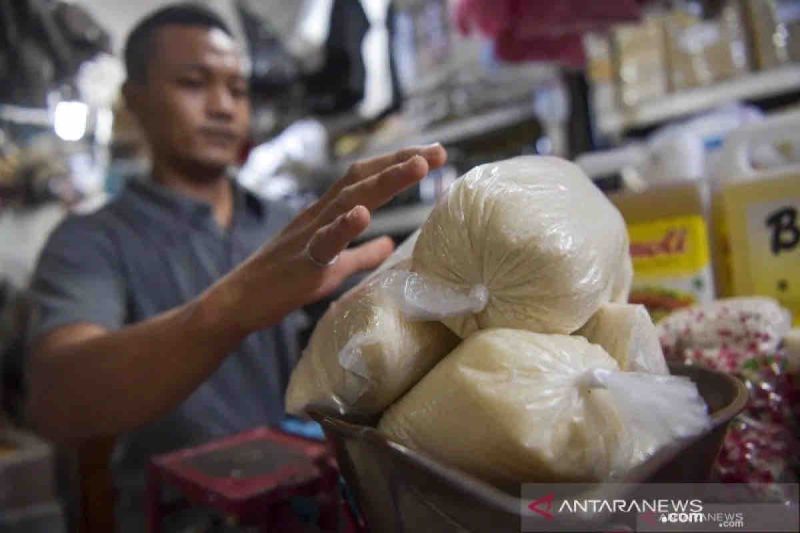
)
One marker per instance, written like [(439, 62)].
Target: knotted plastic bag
[(530, 242), (513, 406)]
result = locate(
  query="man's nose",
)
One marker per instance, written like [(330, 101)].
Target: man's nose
[(220, 102)]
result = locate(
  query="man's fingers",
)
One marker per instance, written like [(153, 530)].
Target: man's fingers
[(331, 239), (434, 154), (375, 191), (366, 256)]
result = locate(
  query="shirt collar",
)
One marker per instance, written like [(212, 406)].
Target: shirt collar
[(174, 200)]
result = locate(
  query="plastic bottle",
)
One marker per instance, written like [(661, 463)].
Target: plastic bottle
[(756, 213)]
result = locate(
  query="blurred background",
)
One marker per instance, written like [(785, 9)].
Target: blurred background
[(665, 104)]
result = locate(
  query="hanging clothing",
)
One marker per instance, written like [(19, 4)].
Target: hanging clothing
[(339, 85), (541, 30), (42, 44)]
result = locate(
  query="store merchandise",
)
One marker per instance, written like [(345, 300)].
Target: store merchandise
[(422, 44), (357, 70), (365, 353), (42, 45), (687, 40), (626, 332), (541, 408), (669, 246), (725, 334), (757, 453), (661, 185), (773, 390), (340, 83), (704, 50), (538, 30), (662, 199), (791, 346), (289, 165), (757, 215), (382, 90), (600, 71), (728, 56), (775, 31), (273, 67), (615, 169), (746, 337), (690, 149), (640, 61), (530, 239)]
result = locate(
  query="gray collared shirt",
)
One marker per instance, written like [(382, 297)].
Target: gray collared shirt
[(148, 251)]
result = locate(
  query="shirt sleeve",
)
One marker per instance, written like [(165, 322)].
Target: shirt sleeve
[(78, 278)]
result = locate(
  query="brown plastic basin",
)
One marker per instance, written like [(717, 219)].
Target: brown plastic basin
[(400, 490)]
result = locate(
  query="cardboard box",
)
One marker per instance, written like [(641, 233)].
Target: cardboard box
[(774, 28), (705, 50), (640, 61)]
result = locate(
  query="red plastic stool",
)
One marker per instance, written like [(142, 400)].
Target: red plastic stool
[(253, 478)]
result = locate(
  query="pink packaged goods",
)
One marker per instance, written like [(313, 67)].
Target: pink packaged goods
[(743, 337), (724, 334)]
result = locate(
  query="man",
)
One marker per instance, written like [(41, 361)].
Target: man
[(163, 316)]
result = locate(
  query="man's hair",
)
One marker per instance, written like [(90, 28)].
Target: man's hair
[(139, 47)]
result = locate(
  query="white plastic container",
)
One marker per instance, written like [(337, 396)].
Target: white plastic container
[(757, 213)]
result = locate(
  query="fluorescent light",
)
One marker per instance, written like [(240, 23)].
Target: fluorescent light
[(69, 120)]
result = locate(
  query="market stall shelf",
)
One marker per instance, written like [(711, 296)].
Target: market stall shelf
[(754, 86)]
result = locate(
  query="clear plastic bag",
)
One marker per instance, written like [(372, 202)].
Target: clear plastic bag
[(422, 299), (627, 333), (401, 254), (657, 410), (364, 352), (512, 406), (532, 236)]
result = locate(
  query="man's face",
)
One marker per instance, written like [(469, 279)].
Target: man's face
[(194, 106)]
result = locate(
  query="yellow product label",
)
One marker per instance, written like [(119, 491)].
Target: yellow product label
[(763, 223), (671, 264), (671, 247), (723, 263)]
